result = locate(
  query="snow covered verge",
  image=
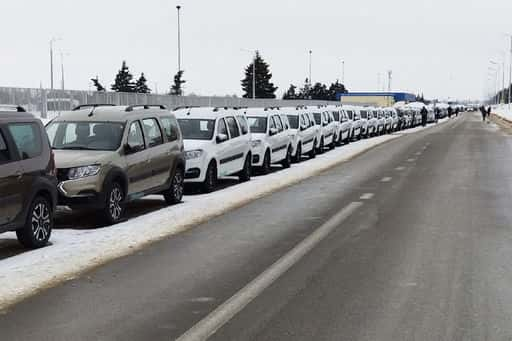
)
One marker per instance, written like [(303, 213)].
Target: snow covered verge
[(74, 251), (504, 111)]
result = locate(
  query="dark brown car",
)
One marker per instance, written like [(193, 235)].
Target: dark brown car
[(28, 185)]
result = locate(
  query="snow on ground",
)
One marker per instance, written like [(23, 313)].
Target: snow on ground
[(503, 110), (74, 251)]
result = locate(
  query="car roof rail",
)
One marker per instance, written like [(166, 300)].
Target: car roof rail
[(145, 106), (92, 105), (9, 107), (186, 107)]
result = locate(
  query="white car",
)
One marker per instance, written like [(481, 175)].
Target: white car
[(381, 121), (358, 124), (303, 133), (394, 119), (217, 143), (371, 122), (335, 112), (323, 118), (271, 140), (388, 119), (345, 126)]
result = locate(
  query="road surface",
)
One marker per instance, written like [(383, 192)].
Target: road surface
[(414, 243)]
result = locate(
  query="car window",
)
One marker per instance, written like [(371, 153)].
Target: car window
[(243, 124), (232, 127), (279, 125), (350, 114), (5, 156), (27, 138), (171, 129), (294, 121), (336, 115), (222, 128), (85, 135), (272, 123), (284, 119), (152, 132), (135, 138), (318, 118), (259, 124), (196, 129)]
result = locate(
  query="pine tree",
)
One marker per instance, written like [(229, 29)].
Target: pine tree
[(335, 89), (124, 80), (319, 92), (177, 87), (97, 84), (291, 93), (264, 88), (141, 86), (305, 91)]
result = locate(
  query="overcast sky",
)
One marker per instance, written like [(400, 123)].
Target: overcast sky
[(439, 47)]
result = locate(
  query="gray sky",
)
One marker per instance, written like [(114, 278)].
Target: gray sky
[(440, 47)]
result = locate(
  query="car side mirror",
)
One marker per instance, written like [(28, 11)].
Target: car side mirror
[(221, 138), (273, 131), (131, 149)]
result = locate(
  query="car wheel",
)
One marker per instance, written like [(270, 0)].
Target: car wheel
[(298, 154), (245, 173), (114, 205), (287, 162), (266, 165), (175, 193), (210, 181), (312, 153), (321, 147), (38, 226)]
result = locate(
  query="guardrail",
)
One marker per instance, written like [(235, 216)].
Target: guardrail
[(43, 101)]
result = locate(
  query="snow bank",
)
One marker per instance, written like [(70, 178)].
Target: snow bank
[(504, 111), (75, 251)]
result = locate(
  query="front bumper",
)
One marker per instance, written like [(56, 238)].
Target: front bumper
[(195, 170), (258, 154)]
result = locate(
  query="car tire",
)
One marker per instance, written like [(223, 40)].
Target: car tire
[(246, 172), (174, 194), (287, 162), (321, 146), (113, 210), (312, 153), (210, 181), (298, 154), (266, 165), (38, 226)]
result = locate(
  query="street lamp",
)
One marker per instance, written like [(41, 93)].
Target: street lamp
[(310, 53), (253, 71), (179, 38), (52, 41), (496, 81), (343, 72), (62, 54)]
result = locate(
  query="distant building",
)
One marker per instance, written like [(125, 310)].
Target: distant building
[(380, 99)]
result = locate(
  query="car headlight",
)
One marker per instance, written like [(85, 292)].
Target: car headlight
[(255, 143), (193, 154), (82, 172)]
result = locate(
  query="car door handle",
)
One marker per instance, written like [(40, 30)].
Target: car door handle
[(19, 175)]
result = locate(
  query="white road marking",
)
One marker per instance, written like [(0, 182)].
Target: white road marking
[(411, 160), (386, 179), (418, 153), (226, 311), (400, 168), (366, 196)]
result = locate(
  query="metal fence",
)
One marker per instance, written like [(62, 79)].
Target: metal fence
[(44, 101)]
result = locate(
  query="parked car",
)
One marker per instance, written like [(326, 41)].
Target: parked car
[(345, 126), (271, 142), (372, 123), (303, 133), (358, 124), (317, 128), (388, 119), (217, 143), (107, 156), (394, 119), (28, 183), (325, 121)]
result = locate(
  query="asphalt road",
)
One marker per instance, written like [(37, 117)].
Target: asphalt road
[(423, 255)]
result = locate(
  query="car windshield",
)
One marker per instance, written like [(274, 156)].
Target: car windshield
[(258, 124), (318, 118), (85, 135), (196, 129), (294, 121), (364, 114)]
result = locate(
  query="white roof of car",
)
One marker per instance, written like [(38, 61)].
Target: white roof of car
[(206, 113), (263, 112)]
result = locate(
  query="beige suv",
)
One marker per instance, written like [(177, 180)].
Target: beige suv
[(108, 155)]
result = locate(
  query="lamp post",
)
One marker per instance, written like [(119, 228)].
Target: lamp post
[(179, 38), (62, 54), (343, 72), (310, 56), (496, 82), (52, 41), (498, 92)]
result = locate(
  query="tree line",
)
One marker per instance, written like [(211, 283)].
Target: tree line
[(263, 86)]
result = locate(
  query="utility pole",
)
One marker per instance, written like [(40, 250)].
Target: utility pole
[(179, 39), (62, 70), (310, 82), (390, 75), (343, 72)]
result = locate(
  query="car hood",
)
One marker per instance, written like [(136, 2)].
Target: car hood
[(195, 144), (77, 158), (258, 136)]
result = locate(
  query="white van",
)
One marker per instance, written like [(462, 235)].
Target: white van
[(271, 140), (217, 143), (325, 120)]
